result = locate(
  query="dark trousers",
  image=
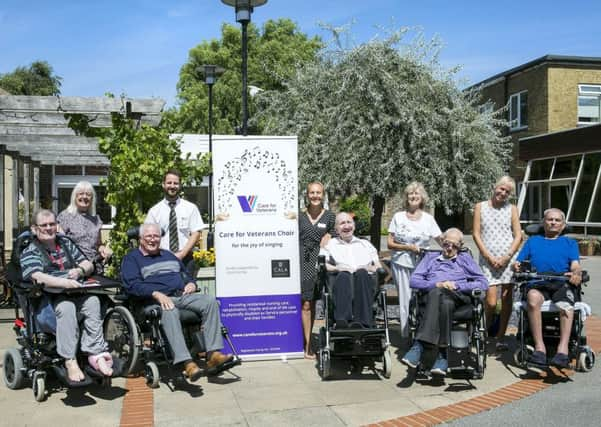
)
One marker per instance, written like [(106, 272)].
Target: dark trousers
[(437, 316), (353, 295)]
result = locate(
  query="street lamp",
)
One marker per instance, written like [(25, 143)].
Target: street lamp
[(244, 8), (211, 72)]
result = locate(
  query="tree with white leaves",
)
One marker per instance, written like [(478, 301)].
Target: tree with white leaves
[(372, 118)]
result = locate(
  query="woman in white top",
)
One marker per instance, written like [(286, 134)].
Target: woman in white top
[(410, 231), (498, 235)]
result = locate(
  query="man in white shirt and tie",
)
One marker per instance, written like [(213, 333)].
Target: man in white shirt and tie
[(179, 219)]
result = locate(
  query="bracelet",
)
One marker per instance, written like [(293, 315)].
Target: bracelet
[(83, 272)]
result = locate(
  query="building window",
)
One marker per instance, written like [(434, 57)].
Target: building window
[(486, 108), (589, 104), (518, 111)]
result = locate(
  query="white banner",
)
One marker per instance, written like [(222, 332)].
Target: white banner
[(256, 243)]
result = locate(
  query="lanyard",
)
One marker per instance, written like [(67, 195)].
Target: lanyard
[(57, 261)]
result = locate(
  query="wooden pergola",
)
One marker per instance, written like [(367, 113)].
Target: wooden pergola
[(34, 133)]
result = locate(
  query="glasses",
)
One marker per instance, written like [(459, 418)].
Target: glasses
[(85, 193), (150, 237), (46, 225), (447, 244)]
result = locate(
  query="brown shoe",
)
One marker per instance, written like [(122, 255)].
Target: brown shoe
[(216, 362), (192, 371)]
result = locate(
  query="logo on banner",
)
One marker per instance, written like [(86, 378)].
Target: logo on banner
[(247, 203), (280, 268)]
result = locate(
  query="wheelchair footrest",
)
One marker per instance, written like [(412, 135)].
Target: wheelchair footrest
[(61, 374), (224, 367)]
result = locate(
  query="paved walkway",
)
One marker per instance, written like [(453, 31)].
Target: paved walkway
[(282, 393)]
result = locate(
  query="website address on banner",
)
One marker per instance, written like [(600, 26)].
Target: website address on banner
[(261, 334)]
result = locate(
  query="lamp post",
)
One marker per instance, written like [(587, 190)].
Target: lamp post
[(244, 8), (211, 72)]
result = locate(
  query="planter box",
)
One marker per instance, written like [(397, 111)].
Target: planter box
[(588, 248), (205, 281)]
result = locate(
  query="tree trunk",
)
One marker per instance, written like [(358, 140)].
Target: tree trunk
[(377, 205)]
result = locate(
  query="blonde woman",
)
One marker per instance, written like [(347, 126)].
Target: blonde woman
[(498, 235), (409, 231), (316, 227), (80, 222)]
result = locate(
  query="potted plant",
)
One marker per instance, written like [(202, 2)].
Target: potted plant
[(204, 260), (588, 246)]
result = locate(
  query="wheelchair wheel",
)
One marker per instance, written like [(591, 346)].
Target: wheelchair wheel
[(520, 357), (13, 369), (39, 386), (324, 364), (151, 373), (586, 361), (122, 337), (387, 364)]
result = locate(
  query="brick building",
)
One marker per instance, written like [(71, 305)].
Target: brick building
[(551, 103)]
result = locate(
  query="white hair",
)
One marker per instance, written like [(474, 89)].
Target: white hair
[(454, 231), (148, 225), (82, 186)]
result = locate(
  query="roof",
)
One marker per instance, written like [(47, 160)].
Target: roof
[(565, 142), (565, 60)]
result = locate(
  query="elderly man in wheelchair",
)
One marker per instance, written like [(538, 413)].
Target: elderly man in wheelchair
[(158, 278), (449, 279), (551, 255), (57, 263), (355, 260)]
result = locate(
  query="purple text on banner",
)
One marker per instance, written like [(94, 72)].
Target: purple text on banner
[(263, 324)]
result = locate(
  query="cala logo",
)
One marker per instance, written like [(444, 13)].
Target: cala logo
[(247, 203)]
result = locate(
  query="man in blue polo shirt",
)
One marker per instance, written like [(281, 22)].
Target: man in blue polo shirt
[(552, 253), (160, 277)]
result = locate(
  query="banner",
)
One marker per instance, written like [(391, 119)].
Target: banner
[(256, 243)]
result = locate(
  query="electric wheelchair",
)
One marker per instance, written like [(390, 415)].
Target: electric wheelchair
[(466, 352), (577, 344), (153, 350), (356, 343), (36, 356)]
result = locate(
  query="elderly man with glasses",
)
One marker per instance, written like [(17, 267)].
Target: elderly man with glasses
[(157, 276), (449, 278), (56, 262)]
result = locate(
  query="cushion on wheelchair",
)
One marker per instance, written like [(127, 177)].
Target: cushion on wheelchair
[(548, 306), (187, 317)]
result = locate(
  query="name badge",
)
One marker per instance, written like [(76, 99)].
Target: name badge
[(321, 225)]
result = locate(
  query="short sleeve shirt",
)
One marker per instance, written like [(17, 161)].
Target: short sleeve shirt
[(550, 255), (355, 254), (412, 232), (33, 260), (188, 220)]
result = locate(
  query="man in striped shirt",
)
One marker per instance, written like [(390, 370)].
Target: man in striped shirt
[(159, 277)]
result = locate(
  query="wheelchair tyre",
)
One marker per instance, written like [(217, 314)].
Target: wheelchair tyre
[(13, 369), (586, 361), (520, 357), (324, 364), (39, 387), (387, 364), (151, 373), (122, 336)]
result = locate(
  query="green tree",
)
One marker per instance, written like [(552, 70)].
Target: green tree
[(374, 117), (274, 53), (37, 79)]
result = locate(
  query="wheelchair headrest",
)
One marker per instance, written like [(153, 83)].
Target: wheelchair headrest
[(535, 229)]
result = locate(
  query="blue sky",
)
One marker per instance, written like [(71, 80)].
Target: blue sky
[(137, 47)]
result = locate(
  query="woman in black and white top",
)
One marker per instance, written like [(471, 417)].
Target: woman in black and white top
[(316, 227)]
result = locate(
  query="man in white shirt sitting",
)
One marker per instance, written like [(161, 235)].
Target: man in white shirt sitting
[(355, 260)]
